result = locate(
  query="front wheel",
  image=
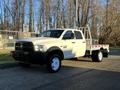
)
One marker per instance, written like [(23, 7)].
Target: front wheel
[(54, 63), (97, 56)]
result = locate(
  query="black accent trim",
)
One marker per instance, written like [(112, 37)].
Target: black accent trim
[(55, 50), (29, 57), (36, 57), (105, 53)]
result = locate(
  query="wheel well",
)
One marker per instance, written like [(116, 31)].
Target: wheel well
[(101, 48), (104, 51), (55, 51)]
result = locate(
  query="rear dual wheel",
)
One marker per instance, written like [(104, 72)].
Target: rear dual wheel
[(97, 56)]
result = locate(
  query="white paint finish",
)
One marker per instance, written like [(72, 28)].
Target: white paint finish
[(68, 49), (71, 47), (99, 46), (79, 47)]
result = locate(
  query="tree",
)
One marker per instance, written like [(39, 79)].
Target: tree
[(111, 26), (23, 13), (30, 15)]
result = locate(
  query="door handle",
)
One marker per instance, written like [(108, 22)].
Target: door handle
[(73, 42), (84, 42)]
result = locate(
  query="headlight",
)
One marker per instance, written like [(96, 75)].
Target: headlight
[(39, 48), (36, 47)]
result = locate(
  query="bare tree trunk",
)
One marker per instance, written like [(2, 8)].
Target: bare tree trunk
[(85, 12), (58, 14), (16, 15), (30, 15), (40, 17), (23, 14), (47, 14)]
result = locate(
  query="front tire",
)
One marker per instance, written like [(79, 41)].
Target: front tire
[(54, 63), (97, 56)]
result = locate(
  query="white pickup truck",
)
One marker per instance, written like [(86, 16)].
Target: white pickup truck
[(53, 46)]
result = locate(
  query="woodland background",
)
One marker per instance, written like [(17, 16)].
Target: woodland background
[(103, 16)]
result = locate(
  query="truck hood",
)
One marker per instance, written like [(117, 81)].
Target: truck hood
[(39, 40)]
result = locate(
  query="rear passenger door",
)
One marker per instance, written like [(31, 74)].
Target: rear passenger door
[(68, 44), (79, 44)]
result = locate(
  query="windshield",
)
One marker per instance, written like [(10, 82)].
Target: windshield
[(52, 33)]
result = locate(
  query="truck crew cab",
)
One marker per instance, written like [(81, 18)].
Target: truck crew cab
[(52, 46)]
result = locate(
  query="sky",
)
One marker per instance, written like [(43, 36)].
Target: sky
[(36, 8)]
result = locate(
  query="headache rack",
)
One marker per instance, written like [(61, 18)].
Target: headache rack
[(87, 34)]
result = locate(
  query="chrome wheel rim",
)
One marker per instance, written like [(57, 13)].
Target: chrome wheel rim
[(55, 63), (100, 55)]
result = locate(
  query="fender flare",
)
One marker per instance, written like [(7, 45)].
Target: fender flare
[(54, 50)]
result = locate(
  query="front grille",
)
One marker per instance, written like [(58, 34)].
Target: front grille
[(24, 46)]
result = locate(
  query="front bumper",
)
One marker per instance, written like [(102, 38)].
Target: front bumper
[(29, 57)]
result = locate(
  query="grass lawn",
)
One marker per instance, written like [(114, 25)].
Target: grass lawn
[(5, 56), (114, 48)]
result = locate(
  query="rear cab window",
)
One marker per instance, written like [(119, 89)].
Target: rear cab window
[(78, 35), (68, 35)]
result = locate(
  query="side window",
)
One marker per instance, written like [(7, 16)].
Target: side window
[(68, 35), (78, 35)]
